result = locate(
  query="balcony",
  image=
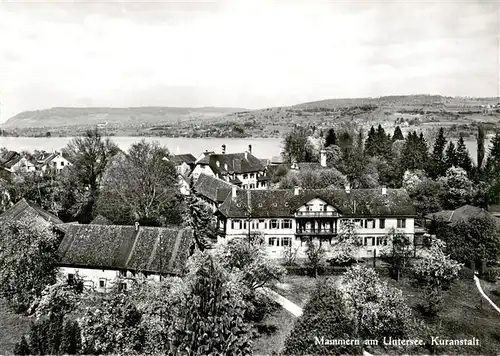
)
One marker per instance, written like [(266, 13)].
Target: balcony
[(316, 214), (316, 232)]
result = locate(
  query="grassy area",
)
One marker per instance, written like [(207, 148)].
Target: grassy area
[(273, 342), (296, 288), (12, 327), (465, 314)]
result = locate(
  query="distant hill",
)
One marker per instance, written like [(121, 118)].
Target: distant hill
[(69, 116), (459, 115)]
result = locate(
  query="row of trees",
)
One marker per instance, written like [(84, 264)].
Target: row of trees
[(385, 159), (137, 185)]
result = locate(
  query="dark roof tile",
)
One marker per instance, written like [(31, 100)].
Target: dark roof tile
[(238, 163), (212, 188), (25, 209), (150, 249)]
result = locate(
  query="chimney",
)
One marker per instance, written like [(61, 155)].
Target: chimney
[(246, 155), (296, 191), (223, 149), (233, 191), (250, 148), (347, 188), (136, 226), (384, 190), (322, 155)]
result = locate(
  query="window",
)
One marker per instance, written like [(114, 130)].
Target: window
[(245, 176), (262, 224), (245, 186), (252, 186), (252, 175), (273, 241), (286, 241), (369, 224), (123, 274), (308, 207), (245, 224), (274, 224), (401, 224), (62, 164), (236, 224), (382, 223), (358, 222), (368, 241), (381, 241), (54, 164), (102, 283), (122, 287), (286, 224)]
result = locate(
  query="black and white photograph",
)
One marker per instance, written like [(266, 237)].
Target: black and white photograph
[(249, 177)]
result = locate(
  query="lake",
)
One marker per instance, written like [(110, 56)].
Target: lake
[(261, 147)]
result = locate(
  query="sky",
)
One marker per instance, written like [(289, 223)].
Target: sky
[(250, 54)]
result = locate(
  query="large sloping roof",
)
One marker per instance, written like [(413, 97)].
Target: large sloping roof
[(464, 213), (212, 188), (148, 249), (10, 159), (284, 203), (187, 158), (25, 209), (233, 163)]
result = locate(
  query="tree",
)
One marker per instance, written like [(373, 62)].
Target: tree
[(199, 219), (475, 239), (480, 146), (111, 325), (22, 347), (397, 252), (434, 272), (450, 156), (315, 255), (89, 156), (463, 158), (459, 188), (324, 314), (297, 146), (492, 172), (314, 179), (28, 261), (211, 316), (331, 138), (398, 135), (414, 155), (437, 167), (143, 183), (345, 251), (376, 309)]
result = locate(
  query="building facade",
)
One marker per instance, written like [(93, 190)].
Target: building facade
[(287, 219)]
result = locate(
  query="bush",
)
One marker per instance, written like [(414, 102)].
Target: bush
[(491, 274), (324, 315)]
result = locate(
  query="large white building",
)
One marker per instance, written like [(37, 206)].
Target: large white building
[(289, 217), (240, 169)]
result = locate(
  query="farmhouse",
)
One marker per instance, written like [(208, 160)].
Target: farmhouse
[(240, 169), (14, 162), (107, 256), (55, 162), (287, 218), (28, 211)]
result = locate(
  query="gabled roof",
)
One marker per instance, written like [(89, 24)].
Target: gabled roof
[(101, 220), (232, 163), (10, 159), (24, 209), (48, 158), (148, 249), (464, 213), (212, 188), (187, 158), (284, 203)]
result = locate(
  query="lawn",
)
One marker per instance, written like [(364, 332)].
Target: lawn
[(297, 289), (12, 327), (465, 314)]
